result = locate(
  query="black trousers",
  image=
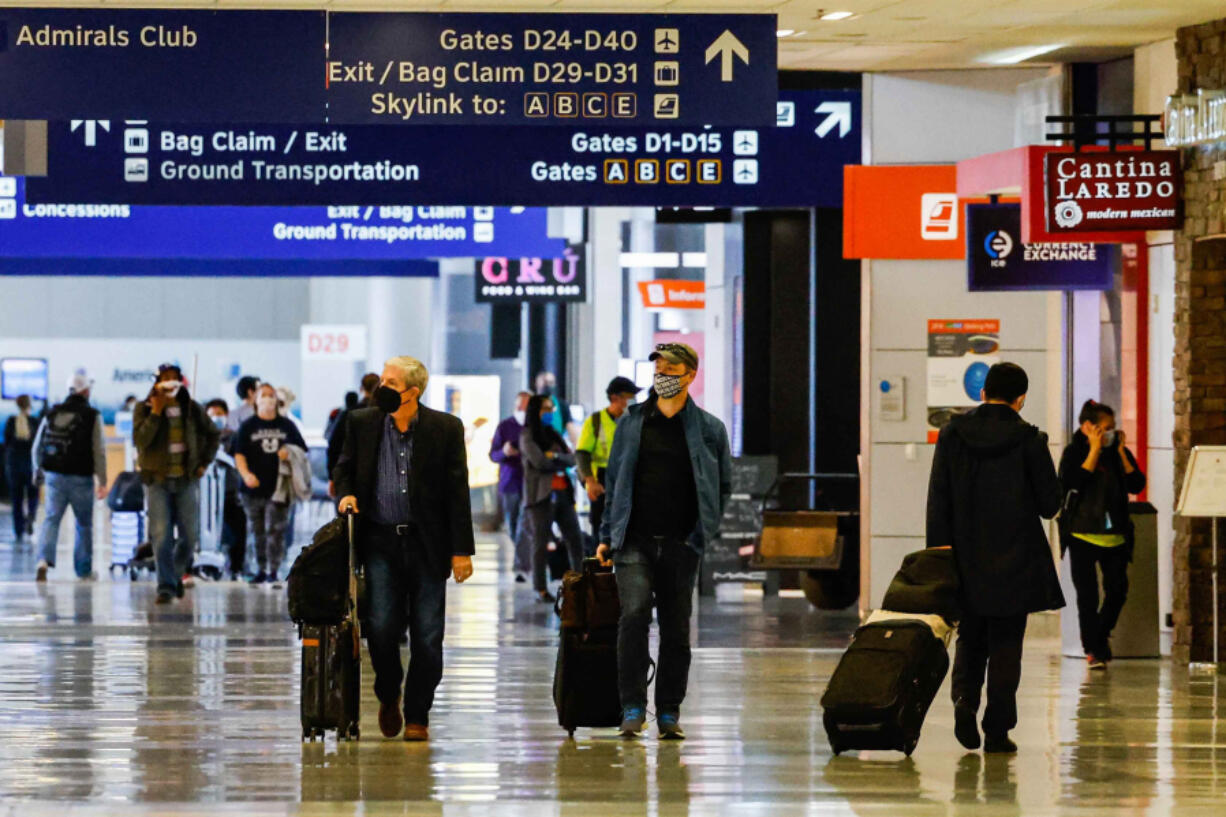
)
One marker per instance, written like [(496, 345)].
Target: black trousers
[(991, 647), (234, 532), (1098, 622)]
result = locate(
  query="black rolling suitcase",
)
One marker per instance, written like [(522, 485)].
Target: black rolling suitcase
[(585, 678), (332, 668), (883, 686)]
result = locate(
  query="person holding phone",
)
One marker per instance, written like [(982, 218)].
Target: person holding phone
[(1098, 473)]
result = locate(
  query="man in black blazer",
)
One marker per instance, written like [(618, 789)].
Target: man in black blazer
[(404, 470)]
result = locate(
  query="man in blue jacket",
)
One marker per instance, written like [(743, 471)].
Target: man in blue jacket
[(669, 478)]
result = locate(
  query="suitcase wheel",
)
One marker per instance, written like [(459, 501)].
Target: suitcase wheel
[(570, 733), (909, 747), (355, 733)]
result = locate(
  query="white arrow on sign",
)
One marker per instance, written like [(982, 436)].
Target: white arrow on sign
[(839, 114), (725, 47), (91, 129)]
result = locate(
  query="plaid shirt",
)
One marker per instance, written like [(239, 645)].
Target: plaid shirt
[(392, 483)]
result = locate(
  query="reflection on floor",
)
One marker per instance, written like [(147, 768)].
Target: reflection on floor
[(193, 709)]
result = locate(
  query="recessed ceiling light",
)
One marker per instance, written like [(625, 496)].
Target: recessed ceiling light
[(833, 16), (1012, 56)]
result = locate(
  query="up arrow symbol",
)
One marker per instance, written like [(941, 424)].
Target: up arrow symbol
[(91, 129), (840, 114), (726, 46)]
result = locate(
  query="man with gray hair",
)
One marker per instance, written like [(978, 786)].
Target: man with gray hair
[(403, 470)]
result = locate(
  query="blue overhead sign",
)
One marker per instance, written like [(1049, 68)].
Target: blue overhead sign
[(313, 67), (370, 233), (796, 162), (997, 259)]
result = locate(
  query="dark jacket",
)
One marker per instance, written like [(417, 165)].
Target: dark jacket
[(992, 478), (151, 435), (1091, 497), (336, 440), (442, 510), (539, 469), (707, 440)]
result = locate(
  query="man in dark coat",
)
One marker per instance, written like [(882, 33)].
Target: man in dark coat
[(992, 479), (404, 470)]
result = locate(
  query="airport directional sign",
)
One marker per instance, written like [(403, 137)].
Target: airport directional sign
[(798, 162), (343, 68)]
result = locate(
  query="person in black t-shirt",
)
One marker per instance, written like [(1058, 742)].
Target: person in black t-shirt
[(259, 449)]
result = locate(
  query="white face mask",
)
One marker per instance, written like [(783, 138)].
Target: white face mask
[(520, 416), (171, 387), (266, 405)]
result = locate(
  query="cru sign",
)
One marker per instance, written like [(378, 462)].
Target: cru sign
[(533, 280), (1105, 192)]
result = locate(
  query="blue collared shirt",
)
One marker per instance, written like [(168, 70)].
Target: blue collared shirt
[(392, 505)]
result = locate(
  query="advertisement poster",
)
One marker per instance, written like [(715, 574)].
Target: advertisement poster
[(474, 399), (960, 352)]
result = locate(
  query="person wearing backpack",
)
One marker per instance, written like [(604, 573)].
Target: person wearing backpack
[(68, 449), (175, 441), (595, 443), (1098, 473), (19, 467)]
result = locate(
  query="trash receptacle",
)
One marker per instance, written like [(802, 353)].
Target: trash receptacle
[(1137, 635)]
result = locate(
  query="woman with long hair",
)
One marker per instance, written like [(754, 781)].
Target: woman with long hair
[(1098, 473), (549, 494)]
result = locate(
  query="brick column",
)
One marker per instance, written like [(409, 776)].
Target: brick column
[(1200, 346)]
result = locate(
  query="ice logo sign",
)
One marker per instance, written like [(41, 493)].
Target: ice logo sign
[(998, 244), (939, 216)]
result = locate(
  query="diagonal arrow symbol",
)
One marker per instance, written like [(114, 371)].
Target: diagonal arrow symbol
[(91, 129), (726, 46), (840, 114)]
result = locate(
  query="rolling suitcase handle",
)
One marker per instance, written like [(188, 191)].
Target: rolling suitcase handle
[(352, 600)]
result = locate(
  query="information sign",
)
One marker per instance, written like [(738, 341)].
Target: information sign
[(386, 233), (797, 163), (312, 67)]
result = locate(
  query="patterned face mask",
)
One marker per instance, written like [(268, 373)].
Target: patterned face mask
[(668, 385)]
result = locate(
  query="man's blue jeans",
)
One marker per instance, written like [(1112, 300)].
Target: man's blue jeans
[(405, 590), (512, 519), (663, 570), (174, 502), (64, 490)]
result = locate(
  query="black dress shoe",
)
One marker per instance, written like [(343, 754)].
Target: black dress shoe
[(965, 728), (999, 745)]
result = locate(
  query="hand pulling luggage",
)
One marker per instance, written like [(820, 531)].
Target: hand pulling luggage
[(332, 667), (585, 677), (883, 686)]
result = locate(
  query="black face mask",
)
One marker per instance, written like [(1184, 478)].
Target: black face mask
[(388, 399)]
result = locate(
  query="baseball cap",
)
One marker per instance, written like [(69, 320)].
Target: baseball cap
[(80, 381), (676, 353), (622, 385)]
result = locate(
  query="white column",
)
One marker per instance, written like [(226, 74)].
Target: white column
[(400, 319), (717, 333)]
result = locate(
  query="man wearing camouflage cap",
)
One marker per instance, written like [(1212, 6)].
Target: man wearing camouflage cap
[(668, 480)]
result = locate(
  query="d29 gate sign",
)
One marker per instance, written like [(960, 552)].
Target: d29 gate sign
[(1110, 192)]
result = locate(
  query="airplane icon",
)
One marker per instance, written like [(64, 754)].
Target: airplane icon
[(745, 171), (745, 143), (668, 40)]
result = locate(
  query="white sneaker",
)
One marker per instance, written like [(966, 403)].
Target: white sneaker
[(40, 573)]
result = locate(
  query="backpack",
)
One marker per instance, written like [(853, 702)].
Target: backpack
[(127, 494), (66, 445), (318, 585)]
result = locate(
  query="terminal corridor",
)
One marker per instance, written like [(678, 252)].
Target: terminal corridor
[(193, 708)]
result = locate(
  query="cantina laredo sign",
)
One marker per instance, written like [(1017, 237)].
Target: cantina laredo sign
[(1110, 192)]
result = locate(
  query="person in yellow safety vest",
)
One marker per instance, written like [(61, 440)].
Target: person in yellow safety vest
[(595, 443)]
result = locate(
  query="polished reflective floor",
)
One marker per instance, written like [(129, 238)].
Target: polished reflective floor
[(110, 705)]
